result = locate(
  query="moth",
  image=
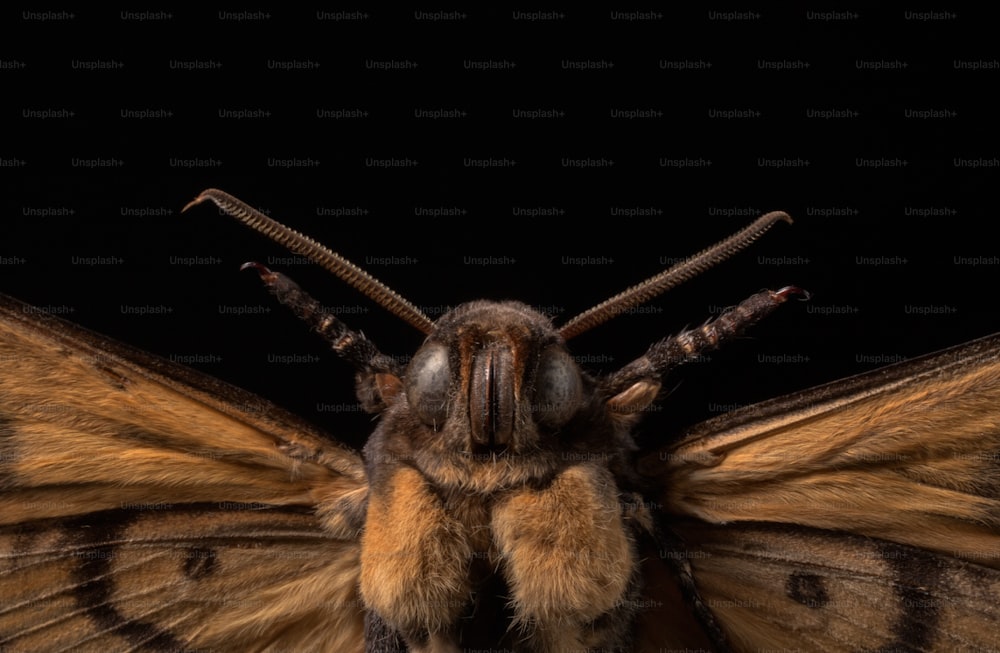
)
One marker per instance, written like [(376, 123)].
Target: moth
[(501, 502)]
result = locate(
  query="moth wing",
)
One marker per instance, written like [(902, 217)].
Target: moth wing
[(147, 506), (793, 588), (909, 454), (903, 461)]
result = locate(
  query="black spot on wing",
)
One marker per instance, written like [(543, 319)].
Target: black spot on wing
[(917, 580), (200, 562), (26, 537), (807, 589), (90, 536)]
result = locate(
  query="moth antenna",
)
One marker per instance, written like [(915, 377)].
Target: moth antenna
[(301, 244), (674, 276), (350, 345)]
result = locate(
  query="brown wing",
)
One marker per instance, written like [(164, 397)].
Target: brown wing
[(788, 588), (904, 461), (909, 454), (143, 505)]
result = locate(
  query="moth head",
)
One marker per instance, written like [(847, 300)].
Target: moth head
[(491, 376), (496, 375)]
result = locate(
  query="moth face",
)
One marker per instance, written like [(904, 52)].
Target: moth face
[(494, 377)]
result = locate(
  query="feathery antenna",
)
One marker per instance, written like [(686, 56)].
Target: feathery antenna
[(674, 276), (301, 244)]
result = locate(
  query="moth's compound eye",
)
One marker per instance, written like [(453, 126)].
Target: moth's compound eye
[(427, 383), (558, 388)]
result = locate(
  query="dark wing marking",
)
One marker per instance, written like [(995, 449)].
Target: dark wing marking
[(146, 506), (796, 588)]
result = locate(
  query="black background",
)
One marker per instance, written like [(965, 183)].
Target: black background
[(880, 248)]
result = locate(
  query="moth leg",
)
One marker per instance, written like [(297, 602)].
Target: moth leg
[(671, 352), (567, 558), (414, 561), (377, 374)]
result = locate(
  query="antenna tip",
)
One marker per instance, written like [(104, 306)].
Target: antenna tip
[(195, 202), (271, 279), (779, 215), (259, 267), (207, 194), (800, 294)]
